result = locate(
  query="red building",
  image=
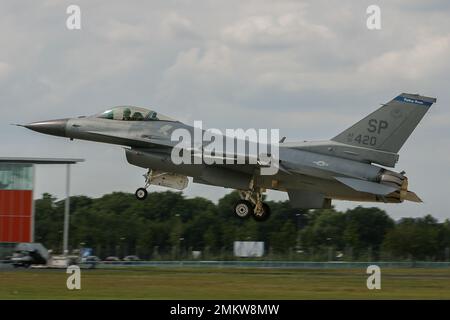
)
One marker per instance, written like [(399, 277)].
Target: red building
[(16, 202), (16, 197)]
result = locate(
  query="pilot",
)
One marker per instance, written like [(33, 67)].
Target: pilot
[(137, 116), (153, 116), (126, 114)]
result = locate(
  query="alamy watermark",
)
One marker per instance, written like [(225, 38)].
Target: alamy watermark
[(374, 280), (74, 280), (373, 21), (73, 21), (235, 146)]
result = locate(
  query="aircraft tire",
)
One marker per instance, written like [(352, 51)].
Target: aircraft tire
[(141, 194), (243, 209), (265, 215)]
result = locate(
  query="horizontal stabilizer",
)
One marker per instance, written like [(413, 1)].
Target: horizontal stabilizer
[(367, 186), (411, 196)]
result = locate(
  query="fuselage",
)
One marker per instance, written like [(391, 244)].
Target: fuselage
[(303, 170)]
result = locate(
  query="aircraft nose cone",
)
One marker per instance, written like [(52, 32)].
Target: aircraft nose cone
[(53, 127)]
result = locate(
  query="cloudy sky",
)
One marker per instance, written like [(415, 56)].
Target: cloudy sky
[(305, 67)]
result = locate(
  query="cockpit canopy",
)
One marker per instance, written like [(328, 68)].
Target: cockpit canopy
[(130, 113)]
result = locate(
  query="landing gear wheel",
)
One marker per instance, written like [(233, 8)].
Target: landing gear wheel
[(264, 214), (243, 209), (141, 193)]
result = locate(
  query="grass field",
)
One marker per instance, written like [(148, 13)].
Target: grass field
[(221, 283)]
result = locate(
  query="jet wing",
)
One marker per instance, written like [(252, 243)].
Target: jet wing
[(145, 141)]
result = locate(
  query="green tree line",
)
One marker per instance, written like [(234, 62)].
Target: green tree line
[(169, 226)]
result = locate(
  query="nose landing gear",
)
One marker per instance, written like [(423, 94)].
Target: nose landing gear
[(141, 193)]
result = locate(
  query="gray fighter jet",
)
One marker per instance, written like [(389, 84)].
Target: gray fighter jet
[(346, 167)]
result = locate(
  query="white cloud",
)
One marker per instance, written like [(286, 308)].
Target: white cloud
[(178, 27), (196, 77), (214, 60), (5, 70), (427, 58), (117, 31), (272, 31)]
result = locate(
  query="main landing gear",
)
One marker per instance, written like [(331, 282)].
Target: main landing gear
[(251, 205), (141, 193)]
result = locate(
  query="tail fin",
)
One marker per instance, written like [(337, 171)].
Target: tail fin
[(387, 128)]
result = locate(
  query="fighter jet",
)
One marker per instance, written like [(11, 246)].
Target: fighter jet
[(350, 166)]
